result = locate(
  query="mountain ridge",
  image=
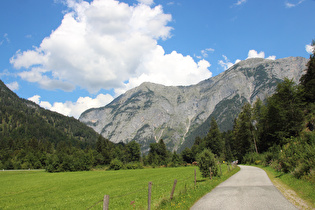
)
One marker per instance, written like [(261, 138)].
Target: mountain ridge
[(22, 120), (151, 111)]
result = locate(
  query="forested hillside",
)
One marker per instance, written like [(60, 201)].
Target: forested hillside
[(21, 120), (28, 132)]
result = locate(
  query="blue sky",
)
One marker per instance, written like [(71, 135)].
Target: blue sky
[(69, 55)]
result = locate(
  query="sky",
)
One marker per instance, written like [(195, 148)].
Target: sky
[(72, 55)]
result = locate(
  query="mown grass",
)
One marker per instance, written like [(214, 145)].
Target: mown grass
[(128, 189), (187, 197), (303, 188)]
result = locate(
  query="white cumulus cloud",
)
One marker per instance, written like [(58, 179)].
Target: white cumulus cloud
[(226, 64), (74, 109), (147, 2), (261, 54), (13, 86), (168, 69), (103, 44), (255, 54), (309, 48), (35, 99)]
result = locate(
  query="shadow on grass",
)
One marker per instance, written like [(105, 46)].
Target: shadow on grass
[(201, 180), (280, 174)]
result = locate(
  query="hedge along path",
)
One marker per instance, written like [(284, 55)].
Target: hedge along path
[(155, 193)]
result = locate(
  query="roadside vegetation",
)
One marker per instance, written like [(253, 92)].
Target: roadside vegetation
[(298, 191)]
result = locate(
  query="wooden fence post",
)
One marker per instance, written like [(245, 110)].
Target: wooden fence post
[(149, 195), (195, 178), (173, 190), (210, 173), (106, 202)]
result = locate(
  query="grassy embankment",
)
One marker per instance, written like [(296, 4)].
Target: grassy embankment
[(299, 192), (128, 189)]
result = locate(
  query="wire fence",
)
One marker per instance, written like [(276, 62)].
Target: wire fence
[(166, 183), (163, 184)]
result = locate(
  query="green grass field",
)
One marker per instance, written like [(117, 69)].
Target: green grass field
[(128, 189)]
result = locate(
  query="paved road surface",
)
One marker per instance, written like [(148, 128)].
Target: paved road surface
[(250, 188)]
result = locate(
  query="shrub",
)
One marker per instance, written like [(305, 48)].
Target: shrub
[(253, 158), (115, 164), (134, 165), (206, 160), (275, 165), (268, 157)]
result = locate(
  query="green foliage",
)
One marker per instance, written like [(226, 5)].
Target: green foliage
[(187, 155), (134, 165), (283, 115), (214, 139), (115, 164), (253, 158), (307, 81), (158, 154), (243, 140), (298, 157), (31, 137), (175, 160), (207, 160), (133, 151)]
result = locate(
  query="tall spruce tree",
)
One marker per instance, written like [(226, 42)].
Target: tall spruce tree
[(308, 79), (214, 139), (242, 133), (284, 114)]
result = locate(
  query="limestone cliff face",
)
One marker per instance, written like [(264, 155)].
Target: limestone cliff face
[(151, 112)]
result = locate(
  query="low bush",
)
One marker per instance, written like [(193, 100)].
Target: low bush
[(116, 164), (254, 158), (134, 165), (205, 161)]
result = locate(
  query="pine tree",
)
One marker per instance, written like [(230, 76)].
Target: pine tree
[(284, 114), (242, 133), (308, 79), (214, 139)]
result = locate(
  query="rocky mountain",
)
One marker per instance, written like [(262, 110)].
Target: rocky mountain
[(23, 120), (178, 114)]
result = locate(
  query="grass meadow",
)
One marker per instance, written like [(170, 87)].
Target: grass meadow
[(128, 189)]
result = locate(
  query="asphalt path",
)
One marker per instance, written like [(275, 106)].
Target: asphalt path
[(250, 188)]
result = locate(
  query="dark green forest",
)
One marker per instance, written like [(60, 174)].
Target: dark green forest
[(278, 131)]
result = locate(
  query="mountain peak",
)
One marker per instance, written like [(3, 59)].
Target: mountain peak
[(177, 114)]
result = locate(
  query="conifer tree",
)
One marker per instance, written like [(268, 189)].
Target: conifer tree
[(242, 133), (214, 139), (308, 79)]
